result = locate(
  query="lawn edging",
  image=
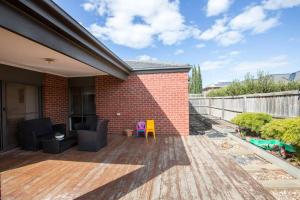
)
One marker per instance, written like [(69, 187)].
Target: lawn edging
[(294, 171)]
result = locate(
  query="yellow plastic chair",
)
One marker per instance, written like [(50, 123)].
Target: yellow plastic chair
[(150, 128)]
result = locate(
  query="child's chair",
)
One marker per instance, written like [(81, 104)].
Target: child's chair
[(150, 128), (140, 128)]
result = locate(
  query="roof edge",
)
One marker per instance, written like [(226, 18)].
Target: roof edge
[(162, 70), (157, 66), (50, 14)]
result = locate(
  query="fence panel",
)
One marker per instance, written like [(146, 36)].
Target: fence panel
[(198, 105), (278, 104)]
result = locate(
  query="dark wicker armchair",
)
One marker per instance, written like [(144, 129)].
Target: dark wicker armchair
[(32, 132), (93, 140)]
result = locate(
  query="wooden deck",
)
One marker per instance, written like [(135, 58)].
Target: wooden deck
[(128, 168)]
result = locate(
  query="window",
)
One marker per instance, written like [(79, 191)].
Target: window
[(82, 104)]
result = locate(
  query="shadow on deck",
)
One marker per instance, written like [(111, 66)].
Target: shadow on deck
[(174, 167)]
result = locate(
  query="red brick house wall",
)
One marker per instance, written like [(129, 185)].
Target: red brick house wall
[(55, 98), (160, 96)]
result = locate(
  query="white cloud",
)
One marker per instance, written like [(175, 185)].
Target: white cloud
[(89, 6), (179, 51), (229, 55), (267, 64), (146, 58), (230, 62), (229, 38), (278, 4), (234, 53), (221, 33), (214, 64), (201, 45), (137, 24), (216, 7), (255, 19), (218, 28)]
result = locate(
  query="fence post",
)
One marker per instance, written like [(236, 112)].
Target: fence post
[(298, 102), (223, 109), (209, 106), (244, 104)]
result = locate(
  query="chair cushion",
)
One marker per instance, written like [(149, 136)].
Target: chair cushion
[(39, 126), (45, 137)]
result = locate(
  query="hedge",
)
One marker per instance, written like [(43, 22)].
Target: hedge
[(278, 127), (286, 130), (252, 121)]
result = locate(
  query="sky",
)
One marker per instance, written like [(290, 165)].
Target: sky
[(226, 38)]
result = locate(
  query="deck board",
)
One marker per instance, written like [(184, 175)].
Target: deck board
[(174, 167)]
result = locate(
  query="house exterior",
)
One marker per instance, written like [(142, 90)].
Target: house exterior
[(50, 66), (295, 76), (214, 86)]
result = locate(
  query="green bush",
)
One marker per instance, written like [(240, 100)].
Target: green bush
[(278, 127), (252, 121), (292, 136)]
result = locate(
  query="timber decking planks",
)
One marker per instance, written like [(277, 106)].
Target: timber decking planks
[(173, 167)]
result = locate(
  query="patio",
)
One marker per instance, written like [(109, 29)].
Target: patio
[(175, 167)]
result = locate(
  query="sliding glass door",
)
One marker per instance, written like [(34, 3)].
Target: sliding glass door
[(82, 106), (1, 122), (22, 103)]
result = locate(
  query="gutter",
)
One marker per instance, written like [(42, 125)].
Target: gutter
[(161, 70)]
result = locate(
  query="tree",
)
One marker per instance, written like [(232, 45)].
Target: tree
[(200, 80), (195, 86)]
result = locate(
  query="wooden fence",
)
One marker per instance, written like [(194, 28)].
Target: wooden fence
[(278, 104)]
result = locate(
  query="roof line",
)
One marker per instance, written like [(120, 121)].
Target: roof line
[(159, 62), (84, 30), (286, 73), (54, 17), (162, 70)]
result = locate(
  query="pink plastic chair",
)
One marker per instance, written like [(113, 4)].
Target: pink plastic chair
[(140, 128)]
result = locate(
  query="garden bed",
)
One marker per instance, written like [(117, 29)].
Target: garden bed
[(280, 138), (290, 159)]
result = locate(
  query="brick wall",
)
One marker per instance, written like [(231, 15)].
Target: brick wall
[(162, 97), (55, 98)]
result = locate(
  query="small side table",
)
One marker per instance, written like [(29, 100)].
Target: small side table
[(128, 132), (57, 146)]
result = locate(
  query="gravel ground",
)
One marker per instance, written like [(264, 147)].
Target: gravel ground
[(266, 174), (242, 155), (286, 194)]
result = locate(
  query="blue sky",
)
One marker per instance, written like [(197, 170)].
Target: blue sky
[(227, 38)]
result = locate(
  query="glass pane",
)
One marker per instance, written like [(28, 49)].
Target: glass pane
[(1, 131), (89, 107), (82, 105), (31, 102), (21, 104), (76, 101)]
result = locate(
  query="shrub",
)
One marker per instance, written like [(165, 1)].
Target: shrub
[(252, 121), (262, 84), (292, 136), (278, 127)]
